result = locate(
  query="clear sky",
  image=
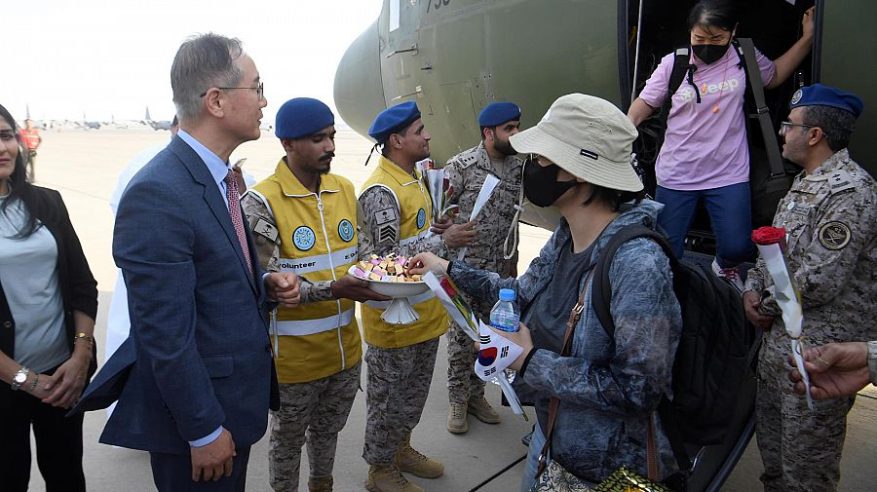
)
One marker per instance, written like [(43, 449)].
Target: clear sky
[(108, 58)]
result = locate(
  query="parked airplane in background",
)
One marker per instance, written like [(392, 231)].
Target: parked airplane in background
[(156, 125), (89, 125)]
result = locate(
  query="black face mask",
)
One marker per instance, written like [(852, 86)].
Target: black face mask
[(709, 53), (540, 184)]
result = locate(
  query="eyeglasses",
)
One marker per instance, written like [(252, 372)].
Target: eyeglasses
[(785, 125), (260, 90)]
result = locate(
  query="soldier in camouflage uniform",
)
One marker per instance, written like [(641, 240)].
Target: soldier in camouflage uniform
[(830, 216), (317, 345), (498, 220), (395, 212)]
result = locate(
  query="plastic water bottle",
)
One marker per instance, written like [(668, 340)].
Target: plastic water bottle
[(505, 316)]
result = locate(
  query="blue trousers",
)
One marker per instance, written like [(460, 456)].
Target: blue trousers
[(173, 473), (537, 441), (730, 213)]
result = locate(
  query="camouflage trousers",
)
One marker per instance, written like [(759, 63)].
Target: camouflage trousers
[(800, 449), (463, 384), (312, 412), (397, 386)]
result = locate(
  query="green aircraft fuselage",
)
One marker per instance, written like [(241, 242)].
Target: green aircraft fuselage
[(454, 56)]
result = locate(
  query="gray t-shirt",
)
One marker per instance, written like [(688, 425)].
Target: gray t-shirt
[(29, 274), (549, 312)]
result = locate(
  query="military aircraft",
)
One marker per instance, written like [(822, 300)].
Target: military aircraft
[(156, 125), (87, 124), (454, 56)]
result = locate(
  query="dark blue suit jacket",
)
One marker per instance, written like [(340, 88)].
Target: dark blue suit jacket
[(199, 353)]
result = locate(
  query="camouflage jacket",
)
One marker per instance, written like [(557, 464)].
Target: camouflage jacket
[(830, 218), (606, 395), (496, 221), (268, 247), (379, 231)]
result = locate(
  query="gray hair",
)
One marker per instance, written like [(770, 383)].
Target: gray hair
[(203, 62), (837, 124)]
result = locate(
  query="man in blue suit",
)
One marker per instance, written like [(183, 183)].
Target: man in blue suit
[(196, 375)]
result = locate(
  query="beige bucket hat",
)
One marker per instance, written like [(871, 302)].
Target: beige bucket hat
[(588, 137)]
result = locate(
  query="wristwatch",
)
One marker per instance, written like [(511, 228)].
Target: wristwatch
[(19, 378), (872, 361)]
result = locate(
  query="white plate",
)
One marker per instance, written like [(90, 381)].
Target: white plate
[(397, 289), (394, 289)]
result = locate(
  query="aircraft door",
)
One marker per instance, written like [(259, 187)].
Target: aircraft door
[(452, 74), (847, 34), (399, 51)]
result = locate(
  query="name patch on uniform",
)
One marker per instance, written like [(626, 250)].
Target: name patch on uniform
[(840, 181), (421, 218), (304, 238), (385, 215), (345, 230), (266, 230), (834, 235)]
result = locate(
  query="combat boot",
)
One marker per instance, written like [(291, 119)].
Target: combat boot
[(411, 461), (457, 421), (388, 478), (320, 484), (482, 411)]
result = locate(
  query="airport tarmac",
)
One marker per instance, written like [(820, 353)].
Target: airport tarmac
[(84, 165)]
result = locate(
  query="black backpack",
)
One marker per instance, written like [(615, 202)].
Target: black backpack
[(715, 350)]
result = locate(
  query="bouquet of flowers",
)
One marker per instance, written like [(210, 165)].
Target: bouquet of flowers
[(496, 352), (457, 307), (771, 242), (484, 194), (441, 191)]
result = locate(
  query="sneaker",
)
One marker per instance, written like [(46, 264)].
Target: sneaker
[(482, 411), (457, 422), (730, 275), (411, 461), (388, 478)]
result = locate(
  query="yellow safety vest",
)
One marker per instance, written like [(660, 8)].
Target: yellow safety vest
[(318, 240), (415, 211)]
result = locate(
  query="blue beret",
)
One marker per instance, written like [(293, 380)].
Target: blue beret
[(301, 117), (495, 114), (823, 95), (392, 120)]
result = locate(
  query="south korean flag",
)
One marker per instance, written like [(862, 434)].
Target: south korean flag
[(496, 353)]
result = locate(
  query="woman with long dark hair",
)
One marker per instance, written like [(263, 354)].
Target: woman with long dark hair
[(48, 304)]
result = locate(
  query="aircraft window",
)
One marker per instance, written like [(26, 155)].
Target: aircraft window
[(394, 15)]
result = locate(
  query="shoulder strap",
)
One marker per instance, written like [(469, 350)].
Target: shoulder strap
[(601, 294), (574, 315), (680, 68), (753, 75)]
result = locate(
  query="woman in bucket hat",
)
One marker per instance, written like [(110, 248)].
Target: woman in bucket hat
[(582, 165)]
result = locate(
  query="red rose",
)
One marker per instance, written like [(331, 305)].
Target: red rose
[(769, 235), (448, 287)]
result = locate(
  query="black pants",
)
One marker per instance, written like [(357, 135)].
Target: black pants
[(58, 439), (173, 473)]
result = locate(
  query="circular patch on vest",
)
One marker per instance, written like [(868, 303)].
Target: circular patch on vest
[(834, 235), (304, 238), (797, 96), (421, 218), (345, 230)]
